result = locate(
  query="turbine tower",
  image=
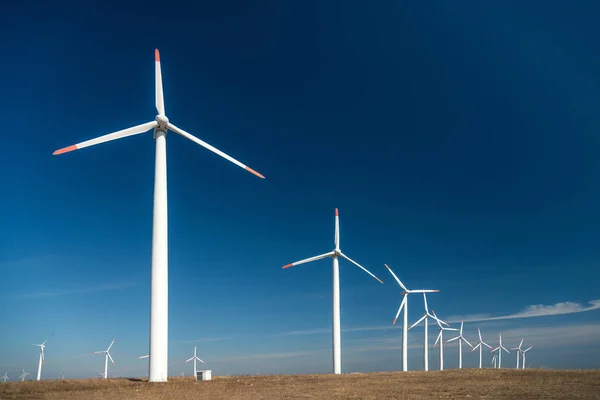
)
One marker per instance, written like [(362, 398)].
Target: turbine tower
[(335, 254), (480, 345), (106, 357), (460, 339), (426, 338), (195, 358), (41, 346), (519, 351), (440, 338), (404, 305), (159, 286), (499, 350), (525, 351), (5, 377)]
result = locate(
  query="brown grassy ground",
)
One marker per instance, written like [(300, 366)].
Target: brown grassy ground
[(452, 384)]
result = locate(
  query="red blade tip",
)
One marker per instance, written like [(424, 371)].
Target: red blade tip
[(156, 55), (254, 172), (287, 266), (336, 212), (64, 150)]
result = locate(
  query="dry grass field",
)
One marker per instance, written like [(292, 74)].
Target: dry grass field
[(452, 384)]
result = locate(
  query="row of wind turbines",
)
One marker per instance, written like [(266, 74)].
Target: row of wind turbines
[(336, 332), (107, 356)]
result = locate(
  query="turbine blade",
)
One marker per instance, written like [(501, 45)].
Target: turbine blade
[(438, 339), (425, 301), (48, 338), (417, 323), (307, 260), (400, 308), (135, 130), (108, 354), (453, 339), (475, 348), (479, 332), (526, 350), (111, 343), (211, 148), (487, 345), (461, 327), (396, 278), (189, 359), (160, 101), (360, 266), (42, 354), (467, 342), (200, 360), (337, 230)]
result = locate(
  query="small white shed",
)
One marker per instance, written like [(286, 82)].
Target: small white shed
[(203, 375)]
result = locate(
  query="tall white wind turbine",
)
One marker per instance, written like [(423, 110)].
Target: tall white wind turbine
[(480, 345), (23, 375), (335, 254), (460, 339), (195, 358), (499, 350), (106, 357), (525, 351), (440, 338), (159, 286), (5, 377), (426, 338), (519, 351), (404, 305), (41, 346)]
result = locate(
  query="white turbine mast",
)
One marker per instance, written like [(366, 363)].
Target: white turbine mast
[(519, 351), (106, 357), (460, 339), (41, 346), (23, 375), (404, 304), (194, 358), (426, 338), (335, 254), (159, 285), (5, 377), (499, 350), (480, 345), (440, 338), (525, 351)]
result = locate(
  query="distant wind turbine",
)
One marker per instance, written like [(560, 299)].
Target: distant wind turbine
[(404, 305), (494, 358), (5, 377), (460, 339), (480, 345), (335, 254), (23, 375), (41, 346), (426, 338), (525, 351), (499, 350), (440, 338), (159, 285), (195, 358), (519, 351), (106, 357)]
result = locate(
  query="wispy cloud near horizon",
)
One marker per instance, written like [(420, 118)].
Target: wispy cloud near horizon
[(79, 290), (536, 310), (205, 339)]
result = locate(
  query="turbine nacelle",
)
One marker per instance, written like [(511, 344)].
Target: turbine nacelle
[(162, 121), (337, 253)]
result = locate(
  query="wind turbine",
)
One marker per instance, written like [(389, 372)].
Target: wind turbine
[(106, 357), (404, 305), (5, 377), (499, 349), (41, 346), (440, 338), (480, 344), (159, 286), (426, 339), (525, 351), (23, 375), (195, 358), (494, 358), (460, 338), (519, 351), (335, 254)]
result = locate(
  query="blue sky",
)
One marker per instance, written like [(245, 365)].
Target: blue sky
[(459, 141)]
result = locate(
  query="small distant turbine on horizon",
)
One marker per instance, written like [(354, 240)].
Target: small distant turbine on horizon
[(106, 357), (41, 346), (23, 375), (62, 377), (426, 338), (460, 339), (525, 351), (5, 377), (335, 254), (499, 350), (404, 305), (480, 344), (440, 338), (494, 358), (195, 358)]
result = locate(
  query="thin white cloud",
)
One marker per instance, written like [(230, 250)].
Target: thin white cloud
[(536, 310), (80, 290), (206, 339), (276, 355)]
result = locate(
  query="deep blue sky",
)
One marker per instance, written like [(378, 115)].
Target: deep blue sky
[(459, 141)]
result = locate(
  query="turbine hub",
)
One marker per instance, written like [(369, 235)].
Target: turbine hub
[(337, 252), (163, 121)]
